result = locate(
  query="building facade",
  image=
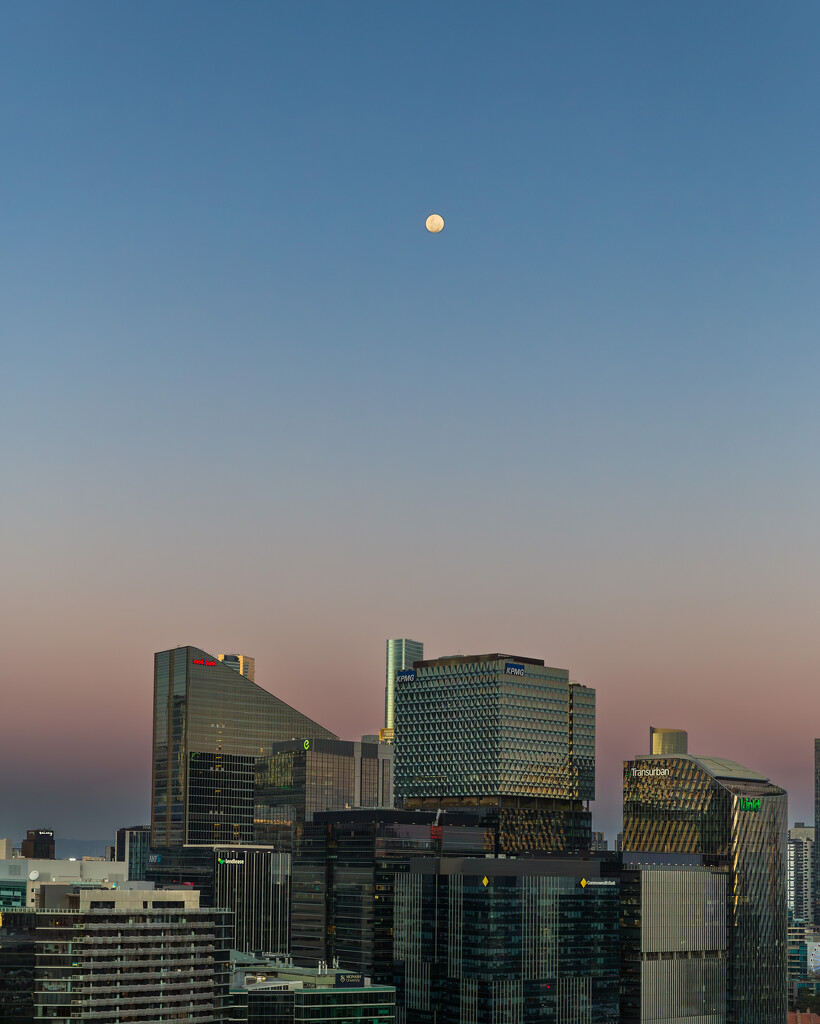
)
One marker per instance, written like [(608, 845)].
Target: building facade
[(736, 818), (308, 776), (668, 741), (210, 725), (117, 957), (800, 871), (506, 735), (131, 846), (39, 844), (507, 941), (253, 882), (674, 940), (343, 880), (401, 654), (240, 663)]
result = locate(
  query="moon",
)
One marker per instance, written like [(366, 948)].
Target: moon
[(435, 223)]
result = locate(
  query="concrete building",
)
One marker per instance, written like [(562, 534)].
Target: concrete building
[(265, 990), (115, 956), (674, 939), (22, 877), (800, 871)]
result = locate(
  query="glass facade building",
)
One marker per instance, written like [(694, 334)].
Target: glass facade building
[(506, 735), (736, 818), (401, 654), (343, 881), (524, 941), (131, 847), (307, 776), (252, 882), (210, 725)]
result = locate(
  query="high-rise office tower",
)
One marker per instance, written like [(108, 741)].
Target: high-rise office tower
[(400, 657), (303, 777), (506, 735), (528, 940), (667, 741), (210, 726), (732, 817), (240, 663), (799, 871)]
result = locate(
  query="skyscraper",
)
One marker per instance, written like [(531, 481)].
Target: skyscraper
[(210, 726), (400, 657), (527, 940), (506, 735), (733, 817), (799, 871), (240, 663)]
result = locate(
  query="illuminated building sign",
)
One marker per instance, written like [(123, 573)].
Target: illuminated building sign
[(748, 803), (204, 661), (230, 860), (407, 676), (644, 772), (512, 668), (306, 744)]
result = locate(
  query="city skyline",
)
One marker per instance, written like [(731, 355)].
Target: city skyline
[(579, 423)]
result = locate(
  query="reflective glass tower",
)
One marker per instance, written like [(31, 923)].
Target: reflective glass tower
[(734, 817), (210, 726), (401, 654), (503, 732)]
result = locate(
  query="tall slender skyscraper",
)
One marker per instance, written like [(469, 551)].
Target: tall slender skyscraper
[(400, 657)]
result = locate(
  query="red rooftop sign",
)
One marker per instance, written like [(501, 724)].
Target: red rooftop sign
[(203, 661)]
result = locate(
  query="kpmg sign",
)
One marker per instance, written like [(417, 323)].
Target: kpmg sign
[(408, 675), (512, 668)]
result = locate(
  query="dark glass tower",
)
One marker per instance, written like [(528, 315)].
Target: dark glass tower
[(210, 725), (506, 735), (817, 834), (734, 817), (481, 941)]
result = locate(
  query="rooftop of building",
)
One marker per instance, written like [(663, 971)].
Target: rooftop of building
[(717, 767), (471, 659)]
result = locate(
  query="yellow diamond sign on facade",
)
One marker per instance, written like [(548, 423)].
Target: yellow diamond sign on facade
[(485, 881), (583, 883)]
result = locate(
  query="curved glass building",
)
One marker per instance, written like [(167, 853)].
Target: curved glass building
[(735, 817)]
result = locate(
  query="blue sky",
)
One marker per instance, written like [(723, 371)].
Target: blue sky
[(249, 403)]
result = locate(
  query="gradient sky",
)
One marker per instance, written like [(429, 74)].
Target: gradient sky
[(249, 403)]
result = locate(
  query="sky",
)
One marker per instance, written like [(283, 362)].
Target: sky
[(250, 404)]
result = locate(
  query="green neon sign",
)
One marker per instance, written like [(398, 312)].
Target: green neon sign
[(307, 744), (748, 803)]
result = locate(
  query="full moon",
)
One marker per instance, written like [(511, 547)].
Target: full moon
[(435, 223)]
